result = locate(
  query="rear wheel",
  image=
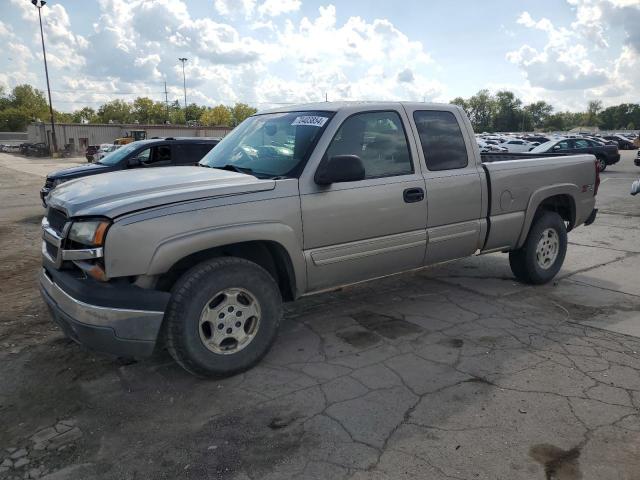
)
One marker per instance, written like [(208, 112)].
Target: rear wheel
[(543, 252), (223, 317), (602, 164)]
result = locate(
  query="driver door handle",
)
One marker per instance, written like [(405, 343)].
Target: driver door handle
[(412, 195)]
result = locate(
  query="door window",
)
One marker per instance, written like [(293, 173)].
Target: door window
[(156, 156), (190, 153), (581, 144), (144, 155), (564, 145), (379, 139), (441, 139)]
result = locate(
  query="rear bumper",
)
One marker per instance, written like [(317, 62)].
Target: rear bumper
[(112, 329), (613, 159)]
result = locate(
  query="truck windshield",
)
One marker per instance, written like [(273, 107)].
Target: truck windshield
[(270, 145), (117, 155)]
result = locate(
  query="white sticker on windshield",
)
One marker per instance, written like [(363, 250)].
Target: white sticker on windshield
[(311, 120)]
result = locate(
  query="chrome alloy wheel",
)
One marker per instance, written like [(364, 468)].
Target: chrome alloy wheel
[(547, 248), (229, 321)]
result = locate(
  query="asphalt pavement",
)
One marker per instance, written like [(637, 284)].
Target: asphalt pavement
[(453, 372)]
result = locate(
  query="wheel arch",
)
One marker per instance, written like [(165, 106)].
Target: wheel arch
[(558, 198), (272, 246)]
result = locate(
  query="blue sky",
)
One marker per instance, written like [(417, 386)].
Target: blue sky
[(267, 52)]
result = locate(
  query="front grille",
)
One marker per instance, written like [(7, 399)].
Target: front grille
[(56, 219), (48, 183)]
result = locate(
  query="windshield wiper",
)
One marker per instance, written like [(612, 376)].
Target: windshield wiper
[(235, 168)]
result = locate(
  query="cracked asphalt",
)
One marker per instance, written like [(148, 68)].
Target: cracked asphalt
[(454, 372)]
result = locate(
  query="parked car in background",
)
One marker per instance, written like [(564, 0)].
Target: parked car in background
[(636, 161), (104, 150), (517, 146), (623, 142), (536, 138), (294, 201), (605, 154), (161, 152), (23, 148), (40, 149), (91, 151)]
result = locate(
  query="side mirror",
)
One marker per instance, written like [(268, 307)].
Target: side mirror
[(133, 162), (341, 168), (556, 147)]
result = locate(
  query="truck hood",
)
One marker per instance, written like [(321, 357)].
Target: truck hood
[(116, 193), (82, 171)]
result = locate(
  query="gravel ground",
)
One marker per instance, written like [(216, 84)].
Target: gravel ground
[(456, 372)]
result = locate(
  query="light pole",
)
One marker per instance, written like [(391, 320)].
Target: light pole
[(184, 86), (39, 4)]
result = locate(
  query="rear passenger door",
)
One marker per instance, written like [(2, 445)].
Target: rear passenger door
[(189, 153), (453, 184), (581, 145)]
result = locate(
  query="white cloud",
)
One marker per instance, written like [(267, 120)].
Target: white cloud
[(6, 31), (581, 58), (355, 59), (235, 8), (274, 8)]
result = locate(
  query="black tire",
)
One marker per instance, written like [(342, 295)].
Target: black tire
[(194, 290), (524, 263), (602, 163)]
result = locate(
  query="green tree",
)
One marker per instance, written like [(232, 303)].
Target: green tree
[(194, 112), (219, 116), (508, 114), (30, 101), (62, 117), (462, 103), (143, 110), (85, 114), (176, 113), (13, 120), (239, 112), (116, 111), (537, 114), (593, 110), (554, 122), (5, 101), (481, 108)]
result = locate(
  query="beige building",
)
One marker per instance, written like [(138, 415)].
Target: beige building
[(79, 136)]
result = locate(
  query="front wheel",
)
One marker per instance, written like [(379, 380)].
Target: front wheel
[(543, 252), (223, 317)]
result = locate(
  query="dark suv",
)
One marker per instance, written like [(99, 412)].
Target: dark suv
[(156, 152)]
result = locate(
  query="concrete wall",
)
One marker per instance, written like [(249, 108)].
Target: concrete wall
[(81, 135)]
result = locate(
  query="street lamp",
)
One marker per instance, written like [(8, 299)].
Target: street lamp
[(184, 86), (39, 4)]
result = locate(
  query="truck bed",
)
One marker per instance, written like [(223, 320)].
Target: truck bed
[(516, 182)]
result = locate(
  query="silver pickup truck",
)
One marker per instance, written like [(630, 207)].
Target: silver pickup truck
[(293, 202)]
